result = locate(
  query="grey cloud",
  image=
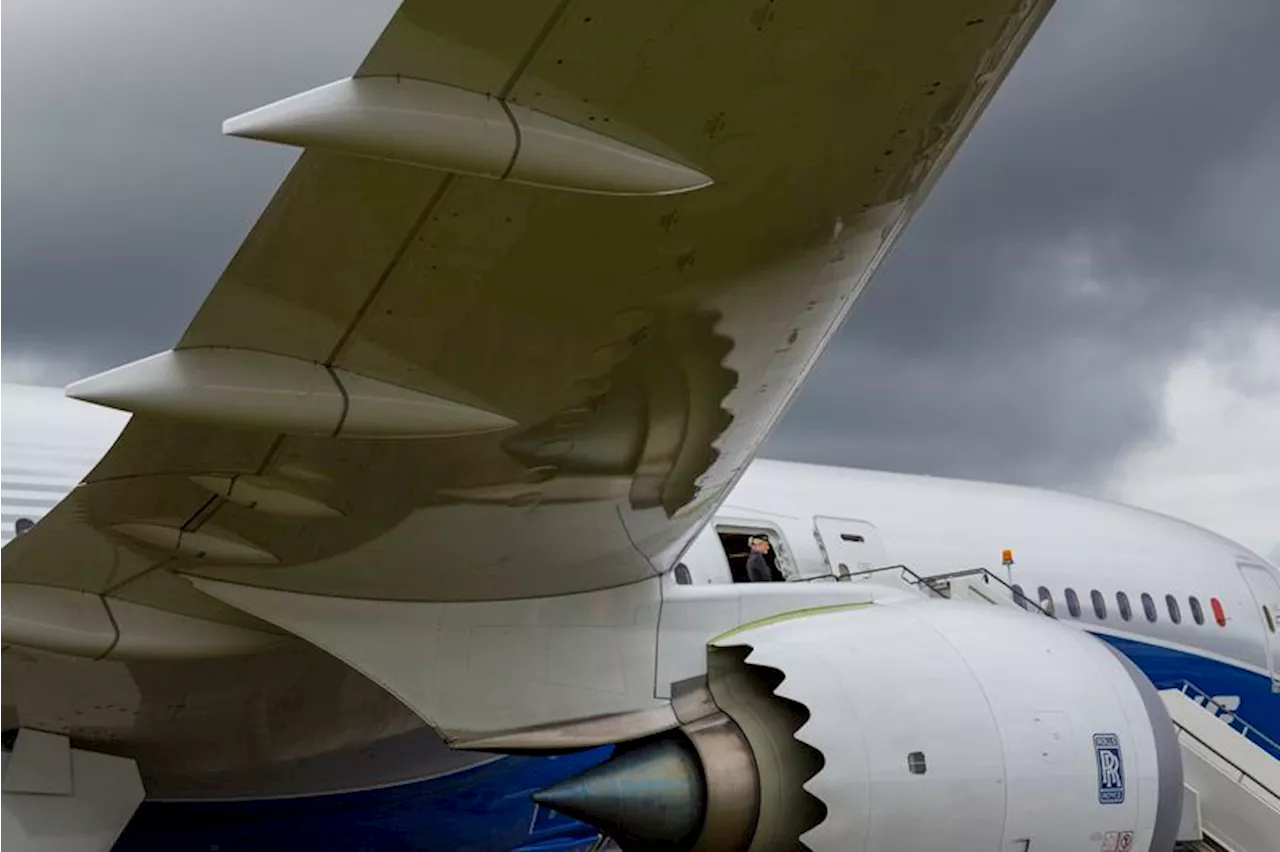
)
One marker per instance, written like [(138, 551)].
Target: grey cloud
[(1117, 199), (122, 201)]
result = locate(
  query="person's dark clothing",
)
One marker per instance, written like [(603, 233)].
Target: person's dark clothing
[(758, 568)]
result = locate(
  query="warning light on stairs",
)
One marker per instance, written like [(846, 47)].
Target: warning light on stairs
[(1006, 557)]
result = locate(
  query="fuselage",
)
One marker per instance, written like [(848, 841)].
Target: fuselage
[(1186, 605)]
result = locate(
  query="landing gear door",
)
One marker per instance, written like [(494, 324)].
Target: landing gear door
[(849, 546), (1265, 586)]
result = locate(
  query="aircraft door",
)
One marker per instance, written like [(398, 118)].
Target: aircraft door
[(848, 545), (1265, 587)]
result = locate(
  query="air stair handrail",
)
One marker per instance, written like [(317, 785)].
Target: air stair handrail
[(987, 576), (1246, 730), (910, 577), (934, 583), (1244, 773)]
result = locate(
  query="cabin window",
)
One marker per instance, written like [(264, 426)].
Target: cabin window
[(736, 542), (1175, 611), (1271, 622), (1099, 603), (1073, 602), (1196, 612), (1219, 614), (1149, 608), (1046, 600), (683, 577), (1122, 603), (1019, 596)]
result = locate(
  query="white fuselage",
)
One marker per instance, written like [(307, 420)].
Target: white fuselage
[(1187, 604), (49, 443)]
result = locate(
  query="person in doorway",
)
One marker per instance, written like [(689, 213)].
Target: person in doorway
[(758, 562)]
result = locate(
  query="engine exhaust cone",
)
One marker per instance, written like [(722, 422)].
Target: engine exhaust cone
[(649, 797)]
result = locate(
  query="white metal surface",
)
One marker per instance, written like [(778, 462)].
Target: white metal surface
[(1000, 709), (1236, 784), (477, 669), (937, 525), (82, 624), (849, 545), (40, 763), (84, 811), (1264, 584), (244, 389), (452, 129), (481, 669)]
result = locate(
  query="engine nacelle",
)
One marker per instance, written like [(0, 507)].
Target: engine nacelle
[(925, 726)]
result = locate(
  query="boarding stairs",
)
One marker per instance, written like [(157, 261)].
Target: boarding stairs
[(1232, 783), (977, 584)]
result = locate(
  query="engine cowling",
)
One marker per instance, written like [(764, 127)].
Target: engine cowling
[(936, 725)]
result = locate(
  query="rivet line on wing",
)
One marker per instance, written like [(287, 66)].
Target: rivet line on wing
[(534, 46), (385, 276)]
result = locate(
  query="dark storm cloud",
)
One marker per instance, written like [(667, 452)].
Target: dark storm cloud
[(1118, 198), (1118, 201), (122, 201)]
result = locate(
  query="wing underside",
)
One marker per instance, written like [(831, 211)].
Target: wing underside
[(523, 361)]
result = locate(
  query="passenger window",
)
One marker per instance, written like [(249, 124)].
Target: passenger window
[(1196, 612), (1073, 602), (1149, 608), (1271, 622), (1175, 611), (1046, 600), (1122, 602), (683, 577), (1019, 597), (1099, 604), (1219, 614)]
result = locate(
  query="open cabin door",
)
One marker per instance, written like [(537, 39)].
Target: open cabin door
[(848, 545), (1265, 586)]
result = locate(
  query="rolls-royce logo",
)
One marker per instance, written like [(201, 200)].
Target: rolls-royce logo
[(1106, 748)]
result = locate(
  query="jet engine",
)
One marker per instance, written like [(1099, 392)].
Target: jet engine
[(925, 726)]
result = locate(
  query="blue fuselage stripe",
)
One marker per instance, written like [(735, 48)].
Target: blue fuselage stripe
[(1168, 668)]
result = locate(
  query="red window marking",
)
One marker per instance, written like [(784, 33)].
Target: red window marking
[(1218, 615)]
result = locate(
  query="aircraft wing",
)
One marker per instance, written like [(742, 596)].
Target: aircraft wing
[(541, 281)]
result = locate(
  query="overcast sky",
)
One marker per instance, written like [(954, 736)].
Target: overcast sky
[(1089, 300)]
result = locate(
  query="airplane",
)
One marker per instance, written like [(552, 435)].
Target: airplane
[(1190, 609), (385, 555)]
